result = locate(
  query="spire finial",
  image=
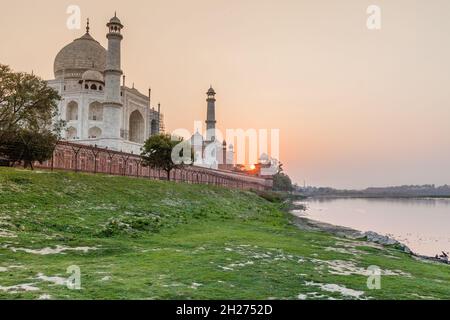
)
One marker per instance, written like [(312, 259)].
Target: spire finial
[(87, 26), (115, 14)]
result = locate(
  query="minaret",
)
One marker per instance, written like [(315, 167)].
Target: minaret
[(113, 73), (224, 153), (211, 117)]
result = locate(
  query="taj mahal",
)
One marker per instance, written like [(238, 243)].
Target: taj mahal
[(97, 107)]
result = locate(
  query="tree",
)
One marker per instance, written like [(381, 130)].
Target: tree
[(157, 153), (28, 108), (28, 146), (281, 181)]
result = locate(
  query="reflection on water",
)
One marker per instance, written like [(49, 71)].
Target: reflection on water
[(422, 224)]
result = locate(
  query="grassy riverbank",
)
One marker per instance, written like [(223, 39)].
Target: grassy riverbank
[(139, 239)]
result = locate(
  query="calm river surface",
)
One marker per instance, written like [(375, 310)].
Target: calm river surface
[(421, 224)]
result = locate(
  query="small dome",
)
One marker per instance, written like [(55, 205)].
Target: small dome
[(211, 91), (83, 54), (115, 20), (92, 75)]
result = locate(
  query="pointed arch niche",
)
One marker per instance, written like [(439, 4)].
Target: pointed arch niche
[(137, 127), (72, 111)]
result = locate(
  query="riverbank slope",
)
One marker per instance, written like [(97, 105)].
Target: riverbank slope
[(140, 239)]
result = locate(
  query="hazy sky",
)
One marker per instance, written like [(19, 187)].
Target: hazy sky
[(355, 107)]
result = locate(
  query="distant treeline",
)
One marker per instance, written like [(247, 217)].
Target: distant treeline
[(399, 191)]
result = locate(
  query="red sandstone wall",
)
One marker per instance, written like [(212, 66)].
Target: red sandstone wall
[(81, 158)]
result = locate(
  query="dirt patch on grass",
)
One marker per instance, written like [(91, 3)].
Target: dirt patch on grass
[(334, 288), (27, 287), (50, 251)]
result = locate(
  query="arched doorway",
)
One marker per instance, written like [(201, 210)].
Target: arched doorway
[(137, 127), (72, 111), (71, 133), (96, 111), (95, 133)]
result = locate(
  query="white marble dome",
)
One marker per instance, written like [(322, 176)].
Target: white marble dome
[(81, 55), (93, 75)]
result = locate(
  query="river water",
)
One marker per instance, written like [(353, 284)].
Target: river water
[(422, 224)]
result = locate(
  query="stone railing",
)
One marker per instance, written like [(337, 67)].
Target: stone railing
[(91, 159)]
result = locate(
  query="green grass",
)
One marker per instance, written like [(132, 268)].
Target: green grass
[(159, 240)]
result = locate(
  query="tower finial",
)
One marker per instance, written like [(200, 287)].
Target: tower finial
[(87, 26)]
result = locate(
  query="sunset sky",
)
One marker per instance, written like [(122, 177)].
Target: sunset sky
[(355, 107)]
